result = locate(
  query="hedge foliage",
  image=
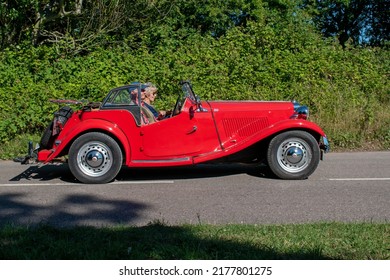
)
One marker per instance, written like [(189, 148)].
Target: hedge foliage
[(346, 89)]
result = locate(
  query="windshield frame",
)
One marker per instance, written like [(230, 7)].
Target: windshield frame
[(188, 91)]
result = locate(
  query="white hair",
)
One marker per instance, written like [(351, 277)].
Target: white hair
[(150, 89)]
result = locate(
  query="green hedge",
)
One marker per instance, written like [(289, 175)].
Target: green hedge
[(347, 89)]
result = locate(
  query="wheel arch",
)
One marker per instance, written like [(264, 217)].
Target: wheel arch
[(264, 143), (316, 134), (125, 149), (104, 127), (294, 125)]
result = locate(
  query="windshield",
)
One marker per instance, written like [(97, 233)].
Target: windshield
[(188, 92)]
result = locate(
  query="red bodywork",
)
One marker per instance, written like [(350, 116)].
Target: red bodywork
[(200, 132)]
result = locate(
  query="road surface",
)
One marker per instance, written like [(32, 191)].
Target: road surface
[(346, 187)]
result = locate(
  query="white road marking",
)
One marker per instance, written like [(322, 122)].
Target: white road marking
[(79, 184), (359, 179)]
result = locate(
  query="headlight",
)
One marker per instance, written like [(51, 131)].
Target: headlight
[(301, 112)]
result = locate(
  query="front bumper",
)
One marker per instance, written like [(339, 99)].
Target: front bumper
[(324, 144)]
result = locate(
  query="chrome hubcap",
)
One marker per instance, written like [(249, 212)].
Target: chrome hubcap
[(294, 155), (94, 159)]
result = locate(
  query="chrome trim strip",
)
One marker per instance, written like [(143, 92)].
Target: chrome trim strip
[(162, 160)]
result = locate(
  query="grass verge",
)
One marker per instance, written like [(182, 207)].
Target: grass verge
[(157, 241), (17, 147)]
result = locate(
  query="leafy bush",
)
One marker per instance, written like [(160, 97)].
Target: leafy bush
[(347, 89)]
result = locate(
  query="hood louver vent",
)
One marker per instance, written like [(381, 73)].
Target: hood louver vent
[(243, 127)]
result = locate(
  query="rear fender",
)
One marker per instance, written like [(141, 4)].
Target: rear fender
[(68, 135)]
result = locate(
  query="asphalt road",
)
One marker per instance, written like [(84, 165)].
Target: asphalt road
[(346, 187)]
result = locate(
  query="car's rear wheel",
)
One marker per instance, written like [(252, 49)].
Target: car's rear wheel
[(293, 155), (95, 158)]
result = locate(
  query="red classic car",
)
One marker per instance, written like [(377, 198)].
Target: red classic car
[(101, 137)]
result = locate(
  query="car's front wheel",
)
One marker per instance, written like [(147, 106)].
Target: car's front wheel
[(95, 158), (293, 155)]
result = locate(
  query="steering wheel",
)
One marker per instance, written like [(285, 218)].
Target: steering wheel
[(177, 108)]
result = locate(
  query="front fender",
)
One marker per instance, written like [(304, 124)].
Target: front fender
[(269, 132), (300, 124), (292, 124), (72, 130), (276, 128)]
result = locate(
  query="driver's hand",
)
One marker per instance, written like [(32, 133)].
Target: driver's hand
[(162, 114)]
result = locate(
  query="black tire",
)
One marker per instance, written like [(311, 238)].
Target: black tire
[(293, 155), (64, 114), (65, 111), (95, 158), (47, 139)]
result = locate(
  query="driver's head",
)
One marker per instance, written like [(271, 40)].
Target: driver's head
[(150, 93)]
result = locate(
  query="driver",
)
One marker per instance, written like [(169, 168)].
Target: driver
[(148, 99)]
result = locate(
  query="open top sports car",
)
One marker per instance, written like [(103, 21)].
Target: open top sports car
[(101, 137)]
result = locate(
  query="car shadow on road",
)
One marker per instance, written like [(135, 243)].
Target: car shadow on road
[(51, 172), (194, 172), (45, 173)]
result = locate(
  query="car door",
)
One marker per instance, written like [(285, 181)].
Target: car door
[(177, 137)]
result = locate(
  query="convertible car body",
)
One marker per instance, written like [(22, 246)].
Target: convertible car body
[(101, 137)]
